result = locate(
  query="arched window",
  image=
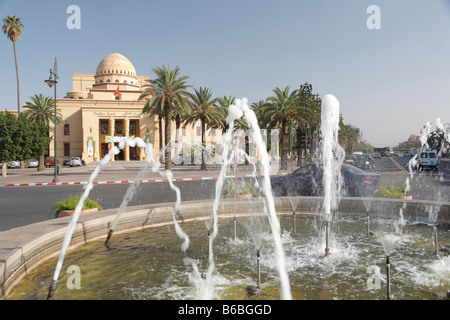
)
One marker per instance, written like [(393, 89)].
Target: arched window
[(117, 81)]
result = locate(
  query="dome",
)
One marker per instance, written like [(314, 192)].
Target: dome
[(115, 63)]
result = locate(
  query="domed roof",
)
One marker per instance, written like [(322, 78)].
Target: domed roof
[(115, 63)]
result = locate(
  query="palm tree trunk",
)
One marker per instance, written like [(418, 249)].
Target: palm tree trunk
[(4, 168), (283, 151), (41, 166), (168, 125), (203, 166), (160, 130), (177, 134), (17, 76)]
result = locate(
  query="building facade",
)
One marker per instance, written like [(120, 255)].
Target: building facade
[(103, 108)]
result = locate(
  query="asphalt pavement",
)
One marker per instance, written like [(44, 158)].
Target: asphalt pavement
[(27, 195), (122, 172)]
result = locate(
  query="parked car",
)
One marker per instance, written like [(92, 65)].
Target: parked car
[(427, 159), (66, 162), (349, 159), (14, 164), (307, 181), (375, 155), (75, 162), (50, 162), (364, 161), (33, 163)]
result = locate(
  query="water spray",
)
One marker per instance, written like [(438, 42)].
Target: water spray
[(331, 167), (71, 227)]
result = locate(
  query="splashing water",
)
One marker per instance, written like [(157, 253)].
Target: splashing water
[(388, 241), (155, 168), (332, 179), (236, 111)]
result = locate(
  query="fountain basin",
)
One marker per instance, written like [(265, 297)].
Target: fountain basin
[(25, 248)]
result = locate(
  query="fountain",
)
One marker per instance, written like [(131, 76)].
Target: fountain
[(388, 241), (287, 254), (331, 149), (114, 151)]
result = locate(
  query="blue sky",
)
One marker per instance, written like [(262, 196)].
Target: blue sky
[(389, 81)]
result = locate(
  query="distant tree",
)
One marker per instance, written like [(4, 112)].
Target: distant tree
[(349, 136), (167, 91), (205, 111), (280, 110), (12, 27), (9, 150), (437, 141), (42, 109), (20, 138)]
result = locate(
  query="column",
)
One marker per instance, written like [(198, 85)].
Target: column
[(126, 149), (112, 128)]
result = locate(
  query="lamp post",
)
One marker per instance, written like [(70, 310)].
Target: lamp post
[(52, 82), (306, 89)]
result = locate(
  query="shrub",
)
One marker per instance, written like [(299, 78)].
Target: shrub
[(391, 191), (233, 189), (71, 203)]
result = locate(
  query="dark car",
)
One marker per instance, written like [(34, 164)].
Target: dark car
[(307, 181), (364, 161)]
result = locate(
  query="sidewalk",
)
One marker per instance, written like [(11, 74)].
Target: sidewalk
[(121, 172)]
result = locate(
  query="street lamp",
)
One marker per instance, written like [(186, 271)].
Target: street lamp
[(52, 82), (306, 89)]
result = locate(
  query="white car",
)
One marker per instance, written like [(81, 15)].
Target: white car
[(427, 159), (14, 164), (75, 162), (33, 163)]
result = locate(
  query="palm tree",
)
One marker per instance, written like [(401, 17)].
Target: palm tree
[(168, 91), (153, 110), (224, 104), (309, 111), (204, 110), (279, 110), (42, 109), (12, 27)]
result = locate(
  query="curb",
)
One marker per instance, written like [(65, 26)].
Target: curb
[(126, 181)]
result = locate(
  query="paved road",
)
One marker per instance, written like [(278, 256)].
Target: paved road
[(25, 205)]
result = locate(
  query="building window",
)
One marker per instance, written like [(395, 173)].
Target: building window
[(66, 149), (212, 132), (198, 130), (183, 131), (132, 127), (119, 127), (104, 126), (66, 129)]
